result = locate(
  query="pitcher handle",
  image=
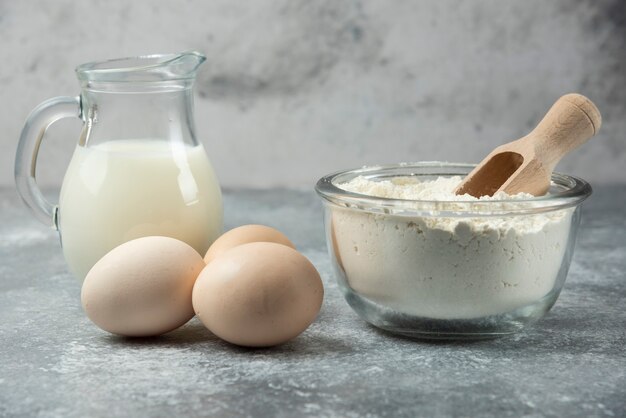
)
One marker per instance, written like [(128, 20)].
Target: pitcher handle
[(33, 132)]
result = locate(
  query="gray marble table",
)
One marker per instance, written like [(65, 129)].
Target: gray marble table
[(55, 363)]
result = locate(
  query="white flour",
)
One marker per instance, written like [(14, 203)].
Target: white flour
[(445, 267)]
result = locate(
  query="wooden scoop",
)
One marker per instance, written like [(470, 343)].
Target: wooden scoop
[(526, 165)]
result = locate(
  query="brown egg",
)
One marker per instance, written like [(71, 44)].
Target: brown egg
[(244, 235), (258, 294), (142, 287)]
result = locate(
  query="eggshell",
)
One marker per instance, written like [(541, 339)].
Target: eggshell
[(244, 235), (258, 294), (142, 287)]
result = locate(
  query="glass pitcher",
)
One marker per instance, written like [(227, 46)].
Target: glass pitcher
[(138, 168)]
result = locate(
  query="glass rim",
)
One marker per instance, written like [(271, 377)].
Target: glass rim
[(153, 66), (575, 191)]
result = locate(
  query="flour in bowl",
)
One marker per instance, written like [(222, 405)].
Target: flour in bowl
[(448, 267)]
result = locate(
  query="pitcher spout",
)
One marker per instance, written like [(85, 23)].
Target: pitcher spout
[(185, 64)]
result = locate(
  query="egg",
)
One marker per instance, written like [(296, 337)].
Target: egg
[(142, 287), (258, 294), (244, 235)]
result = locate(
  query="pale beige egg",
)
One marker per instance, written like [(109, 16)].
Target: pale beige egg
[(243, 235), (258, 294), (142, 287)]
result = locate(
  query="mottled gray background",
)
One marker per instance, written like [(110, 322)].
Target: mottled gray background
[(293, 89)]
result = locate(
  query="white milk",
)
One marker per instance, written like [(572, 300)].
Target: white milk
[(125, 189)]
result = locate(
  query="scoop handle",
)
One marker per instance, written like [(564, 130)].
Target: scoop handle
[(571, 121)]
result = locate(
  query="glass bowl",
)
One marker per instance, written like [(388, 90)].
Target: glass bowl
[(449, 269)]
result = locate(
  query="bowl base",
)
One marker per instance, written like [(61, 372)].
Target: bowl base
[(486, 327)]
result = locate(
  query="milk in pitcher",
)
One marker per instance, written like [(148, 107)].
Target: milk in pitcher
[(124, 189)]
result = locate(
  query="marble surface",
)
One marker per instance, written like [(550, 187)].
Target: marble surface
[(55, 363), (306, 87)]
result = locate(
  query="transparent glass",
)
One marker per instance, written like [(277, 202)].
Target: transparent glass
[(437, 269), (137, 169)]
